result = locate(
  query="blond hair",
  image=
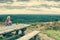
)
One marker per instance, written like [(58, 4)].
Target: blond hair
[(8, 17)]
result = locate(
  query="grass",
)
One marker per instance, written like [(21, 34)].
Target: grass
[(53, 33), (48, 31)]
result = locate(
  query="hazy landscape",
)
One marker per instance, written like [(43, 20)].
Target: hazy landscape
[(29, 18), (48, 25), (42, 15)]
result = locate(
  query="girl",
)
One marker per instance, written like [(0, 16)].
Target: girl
[(8, 22)]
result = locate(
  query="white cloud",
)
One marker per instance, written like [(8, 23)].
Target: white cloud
[(35, 6)]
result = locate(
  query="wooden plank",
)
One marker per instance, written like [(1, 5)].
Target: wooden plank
[(29, 35), (11, 28)]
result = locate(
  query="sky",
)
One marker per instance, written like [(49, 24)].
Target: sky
[(29, 6)]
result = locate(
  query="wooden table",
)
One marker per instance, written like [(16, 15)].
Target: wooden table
[(32, 35), (14, 27)]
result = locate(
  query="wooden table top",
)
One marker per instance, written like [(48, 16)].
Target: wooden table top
[(6, 29)]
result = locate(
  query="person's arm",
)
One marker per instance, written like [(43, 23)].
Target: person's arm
[(5, 23), (10, 23)]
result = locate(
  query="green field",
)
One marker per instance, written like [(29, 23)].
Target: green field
[(53, 33), (37, 23)]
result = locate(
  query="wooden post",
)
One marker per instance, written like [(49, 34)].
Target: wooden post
[(7, 34), (4, 34), (17, 32), (34, 38), (23, 31)]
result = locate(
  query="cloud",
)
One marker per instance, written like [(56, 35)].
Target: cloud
[(31, 7), (23, 0), (11, 1), (6, 1), (54, 0)]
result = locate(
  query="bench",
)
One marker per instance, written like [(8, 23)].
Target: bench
[(30, 36), (20, 27)]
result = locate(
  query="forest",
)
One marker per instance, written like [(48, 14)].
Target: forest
[(30, 18)]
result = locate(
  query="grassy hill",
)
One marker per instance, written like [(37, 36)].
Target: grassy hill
[(46, 24)]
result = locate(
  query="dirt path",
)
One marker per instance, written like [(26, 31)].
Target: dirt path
[(45, 37)]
